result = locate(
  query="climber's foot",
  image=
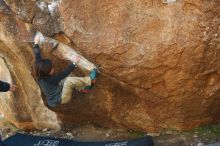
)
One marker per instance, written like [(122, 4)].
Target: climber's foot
[(87, 89), (93, 75)]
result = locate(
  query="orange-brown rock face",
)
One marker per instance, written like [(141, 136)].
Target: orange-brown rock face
[(159, 62)]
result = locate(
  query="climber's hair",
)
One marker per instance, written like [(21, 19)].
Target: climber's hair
[(43, 68)]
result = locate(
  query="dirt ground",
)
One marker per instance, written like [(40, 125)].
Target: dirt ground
[(196, 137)]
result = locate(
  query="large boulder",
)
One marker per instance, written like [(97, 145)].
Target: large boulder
[(24, 108), (158, 62)]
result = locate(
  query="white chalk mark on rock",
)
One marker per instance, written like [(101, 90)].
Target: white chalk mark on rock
[(169, 1), (53, 6), (42, 5)]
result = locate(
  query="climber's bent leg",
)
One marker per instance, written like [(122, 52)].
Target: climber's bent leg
[(72, 83)]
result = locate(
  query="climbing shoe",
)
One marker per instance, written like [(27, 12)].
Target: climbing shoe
[(93, 75)]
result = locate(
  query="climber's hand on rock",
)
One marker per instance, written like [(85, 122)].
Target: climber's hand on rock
[(76, 59), (37, 39), (12, 87)]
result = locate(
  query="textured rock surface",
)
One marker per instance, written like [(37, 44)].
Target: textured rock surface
[(25, 107), (159, 62)]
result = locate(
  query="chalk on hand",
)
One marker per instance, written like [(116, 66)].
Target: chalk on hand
[(42, 38)]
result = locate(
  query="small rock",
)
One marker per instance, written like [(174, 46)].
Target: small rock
[(48, 134), (200, 144), (45, 130), (153, 134), (195, 136), (69, 134)]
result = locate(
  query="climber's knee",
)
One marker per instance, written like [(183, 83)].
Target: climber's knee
[(68, 81)]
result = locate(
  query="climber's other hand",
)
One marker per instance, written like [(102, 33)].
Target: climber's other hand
[(12, 87)]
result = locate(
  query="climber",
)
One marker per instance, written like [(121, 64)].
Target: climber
[(4, 87), (58, 88)]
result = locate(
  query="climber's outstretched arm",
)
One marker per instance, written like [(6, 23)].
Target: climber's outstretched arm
[(37, 52), (55, 79), (36, 48)]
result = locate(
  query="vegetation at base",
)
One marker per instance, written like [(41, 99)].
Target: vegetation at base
[(7, 124), (212, 129), (208, 130), (136, 134), (208, 133)]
